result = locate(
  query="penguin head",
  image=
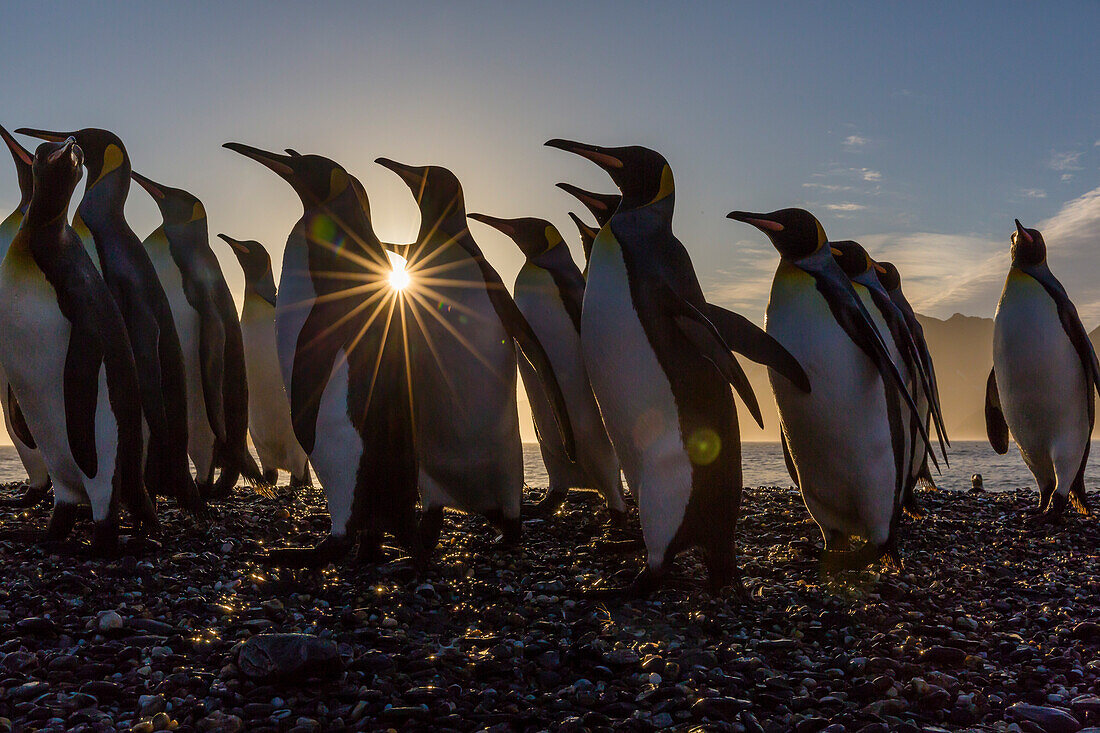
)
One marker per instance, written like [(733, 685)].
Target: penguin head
[(437, 191), (57, 169), (533, 236), (851, 256), (1028, 247), (888, 275), (105, 156), (317, 180), (256, 264), (643, 176), (177, 207), (796, 233), (602, 205), (24, 163)]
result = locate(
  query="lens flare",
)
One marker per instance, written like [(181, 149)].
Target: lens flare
[(399, 276)]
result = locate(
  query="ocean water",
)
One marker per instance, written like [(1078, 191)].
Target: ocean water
[(763, 466)]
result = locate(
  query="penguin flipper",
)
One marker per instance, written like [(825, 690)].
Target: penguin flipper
[(703, 334), (788, 459), (1071, 323), (995, 426), (19, 422), (82, 365), (212, 367), (520, 331), (752, 342)]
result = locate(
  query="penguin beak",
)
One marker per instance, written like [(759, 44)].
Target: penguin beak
[(584, 228), (236, 244), (408, 173), (595, 153), (17, 150), (583, 196), (1020, 231), (280, 164), (879, 268), (153, 188), (501, 224), (54, 137), (760, 221)]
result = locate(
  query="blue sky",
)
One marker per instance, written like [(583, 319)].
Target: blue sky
[(920, 129)]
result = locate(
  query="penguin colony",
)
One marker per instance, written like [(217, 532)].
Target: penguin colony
[(120, 359)]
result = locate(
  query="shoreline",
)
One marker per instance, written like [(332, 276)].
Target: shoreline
[(988, 612)]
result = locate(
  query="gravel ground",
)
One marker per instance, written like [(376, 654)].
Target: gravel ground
[(993, 625)]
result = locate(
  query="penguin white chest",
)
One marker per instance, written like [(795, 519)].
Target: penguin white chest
[(1039, 373), (839, 434), (635, 397)]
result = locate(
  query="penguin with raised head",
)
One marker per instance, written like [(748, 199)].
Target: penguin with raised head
[(210, 338), (661, 372), (464, 373), (842, 434), (133, 282), (890, 321), (340, 330), (601, 205), (38, 477), (1044, 371), (64, 348), (269, 421), (549, 291), (890, 278)]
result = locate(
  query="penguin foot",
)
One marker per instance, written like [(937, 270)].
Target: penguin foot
[(550, 504), (31, 497), (271, 476), (620, 547), (305, 481), (834, 561), (618, 519), (644, 585), (913, 508), (328, 551), (511, 533), (370, 550)]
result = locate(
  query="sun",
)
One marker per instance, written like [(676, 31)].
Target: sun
[(399, 276)]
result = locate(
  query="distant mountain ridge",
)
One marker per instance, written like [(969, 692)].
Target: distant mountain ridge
[(962, 350)]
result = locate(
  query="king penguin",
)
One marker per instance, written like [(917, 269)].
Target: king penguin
[(210, 338), (101, 224), (890, 278), (38, 477), (464, 373), (891, 323), (269, 421), (341, 332), (1044, 372), (842, 436), (661, 372), (64, 348), (601, 205), (549, 291)]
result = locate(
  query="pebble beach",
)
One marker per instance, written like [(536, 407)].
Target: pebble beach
[(992, 625)]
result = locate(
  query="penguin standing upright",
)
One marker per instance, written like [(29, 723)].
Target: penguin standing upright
[(38, 477), (843, 436), (1043, 376), (269, 421), (133, 282), (464, 374), (891, 323), (549, 291), (341, 331), (890, 278), (64, 348), (210, 339), (662, 371)]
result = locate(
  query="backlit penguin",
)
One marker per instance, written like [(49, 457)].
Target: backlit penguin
[(64, 349), (1043, 376)]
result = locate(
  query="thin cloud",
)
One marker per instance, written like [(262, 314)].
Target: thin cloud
[(870, 175), (1067, 177), (847, 206), (855, 142), (1066, 161), (830, 187), (1033, 193)]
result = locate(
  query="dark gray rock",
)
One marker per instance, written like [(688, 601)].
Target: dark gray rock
[(283, 656)]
